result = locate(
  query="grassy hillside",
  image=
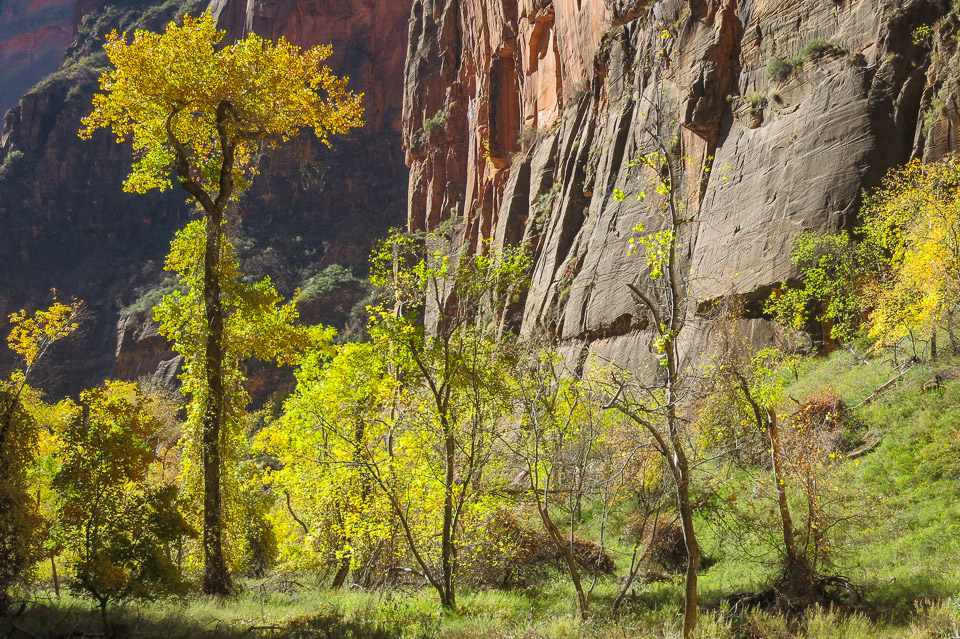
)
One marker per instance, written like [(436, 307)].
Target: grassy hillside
[(899, 544)]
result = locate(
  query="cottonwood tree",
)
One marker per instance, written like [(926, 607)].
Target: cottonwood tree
[(834, 270), (900, 280), (456, 389), (564, 444), (200, 113), (670, 182), (915, 218), (21, 523), (787, 456), (338, 415), (120, 523), (747, 390), (257, 324)]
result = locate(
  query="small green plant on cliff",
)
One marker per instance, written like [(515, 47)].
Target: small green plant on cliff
[(543, 205), (9, 164), (528, 137), (755, 101), (149, 297), (333, 279), (573, 93), (450, 223), (817, 48), (438, 121), (937, 106), (779, 69)]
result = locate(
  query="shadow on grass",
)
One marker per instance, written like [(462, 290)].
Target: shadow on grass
[(897, 601), (644, 598), (39, 621)]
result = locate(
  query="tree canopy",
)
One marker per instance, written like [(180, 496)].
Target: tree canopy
[(179, 95)]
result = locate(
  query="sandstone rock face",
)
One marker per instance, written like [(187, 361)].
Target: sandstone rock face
[(65, 223), (143, 352), (522, 116), (34, 35)]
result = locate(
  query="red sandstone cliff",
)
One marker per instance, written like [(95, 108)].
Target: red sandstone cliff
[(521, 116), (518, 116), (34, 34)]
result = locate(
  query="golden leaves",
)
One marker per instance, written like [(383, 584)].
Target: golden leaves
[(915, 217), (165, 90), (31, 336)]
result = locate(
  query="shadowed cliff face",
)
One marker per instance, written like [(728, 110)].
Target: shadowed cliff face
[(65, 223), (34, 35), (522, 116)]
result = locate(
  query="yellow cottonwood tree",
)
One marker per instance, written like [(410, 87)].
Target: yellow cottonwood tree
[(915, 217), (199, 114), (330, 438), (256, 325), (31, 337)]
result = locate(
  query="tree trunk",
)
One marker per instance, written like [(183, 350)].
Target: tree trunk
[(681, 471), (358, 436), (56, 578), (448, 597), (570, 558), (692, 547), (216, 579), (341, 577), (103, 615), (799, 577)]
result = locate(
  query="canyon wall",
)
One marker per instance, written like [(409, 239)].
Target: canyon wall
[(521, 118), (34, 35), (518, 120), (66, 224)]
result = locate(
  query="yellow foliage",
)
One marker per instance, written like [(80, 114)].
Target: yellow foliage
[(179, 88), (31, 336), (915, 217)]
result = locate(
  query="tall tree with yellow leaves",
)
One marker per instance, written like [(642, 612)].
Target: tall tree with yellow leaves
[(915, 218), (201, 113), (20, 522)]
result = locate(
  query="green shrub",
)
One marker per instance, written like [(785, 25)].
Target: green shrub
[(756, 101), (818, 47), (333, 279), (450, 223), (528, 137), (930, 115), (9, 164), (438, 121), (779, 69), (148, 297)]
